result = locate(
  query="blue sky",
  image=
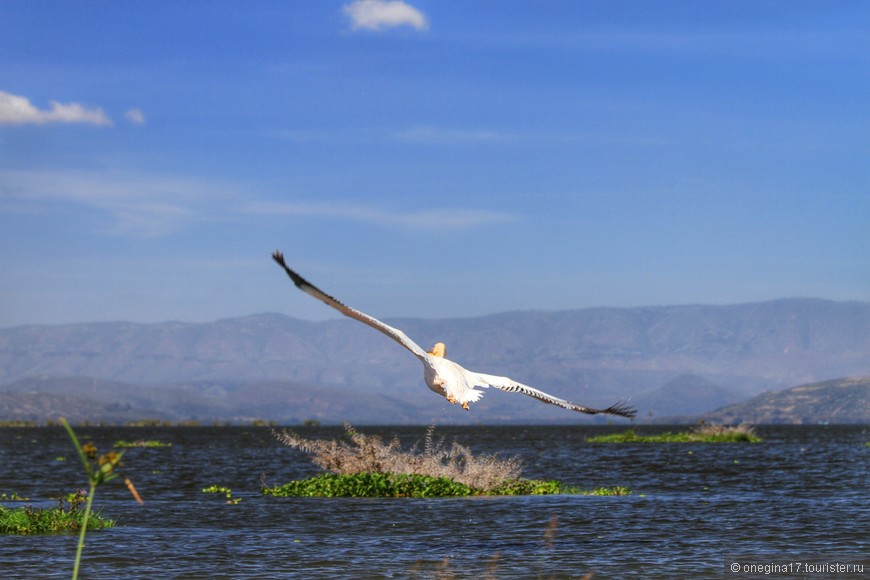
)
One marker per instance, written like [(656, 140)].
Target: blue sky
[(429, 159)]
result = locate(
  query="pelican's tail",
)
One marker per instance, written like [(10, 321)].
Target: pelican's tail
[(465, 396)]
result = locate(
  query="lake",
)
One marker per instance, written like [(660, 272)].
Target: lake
[(800, 495)]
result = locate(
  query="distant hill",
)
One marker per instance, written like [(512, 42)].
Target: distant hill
[(836, 401), (591, 356), (684, 396)]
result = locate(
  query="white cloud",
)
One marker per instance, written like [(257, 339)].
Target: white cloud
[(16, 110), (451, 218), (135, 116), (382, 14)]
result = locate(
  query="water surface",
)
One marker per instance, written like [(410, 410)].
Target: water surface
[(802, 492)]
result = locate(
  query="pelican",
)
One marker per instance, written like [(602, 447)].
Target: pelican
[(444, 376)]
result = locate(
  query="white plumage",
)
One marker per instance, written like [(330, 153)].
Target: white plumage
[(442, 375)]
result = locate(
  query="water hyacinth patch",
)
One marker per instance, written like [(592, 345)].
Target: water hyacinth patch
[(702, 434), (366, 466), (122, 444), (228, 493), (421, 486), (66, 517)]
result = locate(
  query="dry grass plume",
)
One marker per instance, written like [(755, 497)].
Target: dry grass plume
[(371, 454)]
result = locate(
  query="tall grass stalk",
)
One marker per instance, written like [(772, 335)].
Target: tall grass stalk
[(99, 469)]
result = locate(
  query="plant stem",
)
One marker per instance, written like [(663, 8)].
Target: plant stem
[(82, 532)]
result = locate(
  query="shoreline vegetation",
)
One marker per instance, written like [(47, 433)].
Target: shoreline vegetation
[(701, 434), (367, 466), (12, 423)]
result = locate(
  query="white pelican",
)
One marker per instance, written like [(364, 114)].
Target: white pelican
[(444, 376)]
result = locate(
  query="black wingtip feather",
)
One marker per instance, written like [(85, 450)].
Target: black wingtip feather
[(621, 408), (297, 279)]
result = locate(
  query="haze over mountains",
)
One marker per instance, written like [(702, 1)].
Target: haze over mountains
[(673, 361)]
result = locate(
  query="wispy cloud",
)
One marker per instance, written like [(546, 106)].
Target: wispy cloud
[(435, 135), (383, 14), (18, 110), (135, 116), (450, 218), (137, 206), (143, 206)]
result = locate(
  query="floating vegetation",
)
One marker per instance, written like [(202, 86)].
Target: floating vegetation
[(701, 434), (420, 486), (366, 466), (224, 490), (140, 443), (13, 496), (66, 517)]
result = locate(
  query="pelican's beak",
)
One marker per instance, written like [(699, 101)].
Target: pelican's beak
[(439, 350), (465, 406)]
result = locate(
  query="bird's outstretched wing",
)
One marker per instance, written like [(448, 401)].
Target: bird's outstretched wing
[(313, 290), (621, 408)]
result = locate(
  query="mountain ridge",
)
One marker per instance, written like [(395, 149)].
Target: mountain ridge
[(590, 356), (843, 400)]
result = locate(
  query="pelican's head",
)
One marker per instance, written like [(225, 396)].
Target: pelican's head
[(438, 350)]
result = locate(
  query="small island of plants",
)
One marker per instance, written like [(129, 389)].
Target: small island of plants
[(366, 466), (701, 434), (67, 516), (141, 443)]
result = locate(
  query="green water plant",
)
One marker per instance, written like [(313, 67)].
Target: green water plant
[(66, 517), (367, 466), (228, 493), (701, 434), (99, 469), (371, 485), (420, 486), (147, 443)]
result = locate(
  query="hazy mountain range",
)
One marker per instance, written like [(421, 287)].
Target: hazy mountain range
[(672, 361)]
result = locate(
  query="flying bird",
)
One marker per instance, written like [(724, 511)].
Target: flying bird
[(442, 375)]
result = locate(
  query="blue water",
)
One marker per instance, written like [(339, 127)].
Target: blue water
[(803, 492)]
